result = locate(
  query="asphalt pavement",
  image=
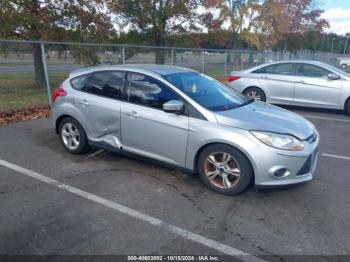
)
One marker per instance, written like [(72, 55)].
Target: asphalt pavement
[(100, 203)]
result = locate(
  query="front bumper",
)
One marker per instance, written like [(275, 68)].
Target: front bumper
[(299, 166)]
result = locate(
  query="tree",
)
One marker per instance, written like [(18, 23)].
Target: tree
[(239, 13), (304, 16), (277, 20), (158, 18), (52, 20), (267, 25)]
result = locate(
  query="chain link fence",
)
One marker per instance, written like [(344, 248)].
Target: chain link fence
[(30, 70)]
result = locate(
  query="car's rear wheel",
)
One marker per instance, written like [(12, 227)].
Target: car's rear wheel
[(72, 136), (224, 169), (255, 93), (344, 66)]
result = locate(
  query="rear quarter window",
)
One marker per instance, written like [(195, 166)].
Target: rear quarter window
[(79, 82)]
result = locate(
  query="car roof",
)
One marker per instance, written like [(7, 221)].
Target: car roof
[(314, 62), (143, 68), (296, 61)]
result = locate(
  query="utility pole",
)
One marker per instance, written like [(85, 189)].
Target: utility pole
[(346, 42), (322, 43)]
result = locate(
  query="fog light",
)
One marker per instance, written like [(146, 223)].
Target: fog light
[(282, 172)]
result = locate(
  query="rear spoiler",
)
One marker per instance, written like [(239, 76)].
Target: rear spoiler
[(78, 71)]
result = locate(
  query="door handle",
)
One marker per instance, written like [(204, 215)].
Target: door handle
[(302, 82), (264, 77), (84, 102), (132, 114)]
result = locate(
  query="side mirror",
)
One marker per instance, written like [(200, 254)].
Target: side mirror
[(173, 106), (333, 76)]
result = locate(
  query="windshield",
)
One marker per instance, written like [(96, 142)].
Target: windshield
[(206, 91)]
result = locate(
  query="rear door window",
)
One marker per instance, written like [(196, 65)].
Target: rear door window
[(105, 83), (277, 69)]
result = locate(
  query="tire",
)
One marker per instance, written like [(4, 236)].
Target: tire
[(347, 107), (73, 136), (237, 164), (256, 93), (344, 66)]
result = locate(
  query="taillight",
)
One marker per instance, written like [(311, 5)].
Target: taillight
[(232, 78), (59, 91)]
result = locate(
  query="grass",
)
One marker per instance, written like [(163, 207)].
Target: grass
[(214, 71), (19, 90)]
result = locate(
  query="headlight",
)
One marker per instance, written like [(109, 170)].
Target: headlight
[(280, 141)]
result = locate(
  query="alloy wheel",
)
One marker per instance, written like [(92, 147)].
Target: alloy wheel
[(222, 170), (70, 136), (254, 94)]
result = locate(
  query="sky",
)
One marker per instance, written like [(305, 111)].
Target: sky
[(337, 12)]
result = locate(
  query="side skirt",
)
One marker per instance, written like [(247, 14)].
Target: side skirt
[(122, 152)]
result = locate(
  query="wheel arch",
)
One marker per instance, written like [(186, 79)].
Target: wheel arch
[(346, 103), (59, 120), (200, 150)]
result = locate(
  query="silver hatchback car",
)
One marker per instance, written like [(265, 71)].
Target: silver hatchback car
[(187, 119), (298, 83)]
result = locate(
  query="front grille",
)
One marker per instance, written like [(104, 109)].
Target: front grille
[(306, 168)]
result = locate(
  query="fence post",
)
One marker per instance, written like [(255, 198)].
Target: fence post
[(43, 60), (123, 54), (172, 56), (226, 58), (234, 54), (203, 61)]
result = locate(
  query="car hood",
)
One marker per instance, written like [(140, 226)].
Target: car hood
[(265, 117)]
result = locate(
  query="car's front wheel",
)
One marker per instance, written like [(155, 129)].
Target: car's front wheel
[(224, 169), (255, 93), (347, 107), (72, 136)]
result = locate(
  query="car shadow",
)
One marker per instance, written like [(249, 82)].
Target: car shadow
[(284, 188)]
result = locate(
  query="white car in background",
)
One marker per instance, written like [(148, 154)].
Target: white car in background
[(344, 62), (298, 83)]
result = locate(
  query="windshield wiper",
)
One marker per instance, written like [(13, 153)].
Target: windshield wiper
[(249, 101), (226, 107)]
